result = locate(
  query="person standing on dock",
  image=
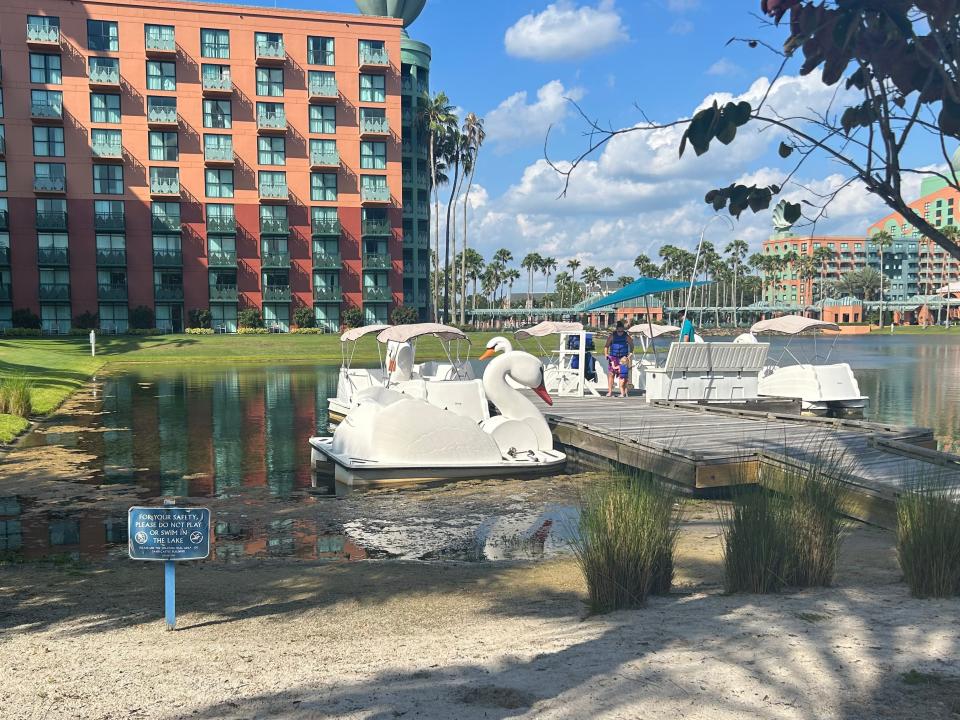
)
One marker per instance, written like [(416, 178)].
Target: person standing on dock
[(686, 328), (619, 350)]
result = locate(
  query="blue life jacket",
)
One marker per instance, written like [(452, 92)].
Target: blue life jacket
[(619, 345)]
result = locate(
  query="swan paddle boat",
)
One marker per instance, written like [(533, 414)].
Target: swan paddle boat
[(821, 386), (394, 437)]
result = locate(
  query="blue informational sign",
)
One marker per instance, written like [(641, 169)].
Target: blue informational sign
[(169, 533)]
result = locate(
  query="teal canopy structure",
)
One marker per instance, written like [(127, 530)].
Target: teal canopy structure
[(638, 289)]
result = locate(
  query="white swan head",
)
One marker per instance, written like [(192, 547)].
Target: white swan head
[(522, 367), (497, 344)]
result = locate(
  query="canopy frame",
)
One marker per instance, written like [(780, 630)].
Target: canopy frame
[(814, 325)]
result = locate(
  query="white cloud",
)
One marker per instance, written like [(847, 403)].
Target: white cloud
[(515, 121), (564, 30), (682, 5), (681, 27), (724, 67)]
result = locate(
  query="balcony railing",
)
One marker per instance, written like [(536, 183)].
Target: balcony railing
[(107, 150), (45, 34), (222, 292), (112, 292), (162, 115), (168, 292), (4, 255), (271, 50), (3, 146), (222, 258), (377, 227), (276, 293), (218, 154), (54, 291), (416, 241), (164, 186), (374, 56), (423, 209), (377, 261), (324, 158), (4, 220), (327, 261), (375, 194), (5, 293), (49, 184), (165, 223), (109, 221), (322, 226), (275, 260), (410, 85), (167, 258), (327, 294), (323, 89), (375, 126), (103, 75), (53, 256), (46, 111), (52, 220), (377, 294), (274, 226), (111, 258), (218, 83), (160, 44), (274, 192), (222, 225), (272, 121), (407, 116)]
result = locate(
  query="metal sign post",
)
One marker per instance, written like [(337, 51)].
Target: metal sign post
[(93, 344), (170, 534)]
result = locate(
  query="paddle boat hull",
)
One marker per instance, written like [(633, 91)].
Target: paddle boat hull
[(822, 389)]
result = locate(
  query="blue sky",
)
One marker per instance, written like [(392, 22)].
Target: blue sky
[(514, 62)]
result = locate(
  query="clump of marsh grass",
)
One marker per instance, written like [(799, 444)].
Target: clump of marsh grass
[(755, 543), (15, 397), (928, 540), (627, 535)]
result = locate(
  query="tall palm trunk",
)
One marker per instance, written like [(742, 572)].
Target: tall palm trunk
[(435, 285), (446, 257), (463, 262)]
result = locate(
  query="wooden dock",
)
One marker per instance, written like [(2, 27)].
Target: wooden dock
[(701, 447)]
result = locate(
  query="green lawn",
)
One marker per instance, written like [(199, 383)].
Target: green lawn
[(920, 330)]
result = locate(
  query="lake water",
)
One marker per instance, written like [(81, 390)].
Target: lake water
[(236, 436)]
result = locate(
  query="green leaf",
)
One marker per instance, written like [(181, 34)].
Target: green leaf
[(791, 212), (727, 131), (949, 120), (744, 110), (785, 150)]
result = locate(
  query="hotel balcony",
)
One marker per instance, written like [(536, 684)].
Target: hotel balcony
[(4, 220), (46, 111), (217, 84), (377, 294), (412, 269), (327, 294), (377, 227), (107, 150), (115, 293), (274, 226), (407, 115), (162, 116), (319, 159), (52, 220), (274, 192), (109, 221), (165, 186), (4, 256), (51, 185), (111, 258), (219, 155), (374, 126), (43, 35), (327, 261), (423, 209), (374, 57), (222, 225), (104, 76), (168, 292), (222, 259), (416, 240), (321, 90), (276, 293), (410, 86), (325, 227), (275, 260), (271, 53), (3, 146), (223, 293), (374, 194), (5, 293), (54, 291), (167, 258), (275, 122), (160, 46), (57, 257), (165, 223)]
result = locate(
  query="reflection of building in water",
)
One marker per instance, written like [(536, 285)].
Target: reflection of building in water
[(118, 435), (173, 421), (283, 538), (281, 440), (927, 391), (227, 431), (30, 532)]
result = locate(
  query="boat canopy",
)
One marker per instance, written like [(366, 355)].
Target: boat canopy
[(652, 331), (637, 289), (792, 325), (953, 287), (406, 333), (354, 334), (548, 327)]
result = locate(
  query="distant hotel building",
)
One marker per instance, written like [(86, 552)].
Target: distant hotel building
[(187, 156)]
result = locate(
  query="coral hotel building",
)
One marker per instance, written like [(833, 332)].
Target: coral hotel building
[(189, 156)]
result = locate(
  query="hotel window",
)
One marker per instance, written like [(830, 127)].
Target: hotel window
[(108, 207), (161, 75), (1, 102), (114, 316), (50, 171), (215, 43), (268, 41), (323, 187), (45, 69), (3, 176), (370, 47), (47, 98), (219, 212), (373, 182), (104, 108), (108, 179), (217, 142), (215, 72), (271, 151), (323, 119), (103, 35), (320, 51), (323, 147), (95, 63), (159, 33), (373, 88), (270, 110), (48, 142), (324, 215), (219, 183), (270, 82), (373, 155), (164, 146), (104, 137), (217, 114), (43, 20), (272, 178)]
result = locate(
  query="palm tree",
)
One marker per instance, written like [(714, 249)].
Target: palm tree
[(510, 277), (736, 251), (455, 154), (624, 280), (560, 281), (573, 265), (473, 262), (821, 256), (531, 262), (606, 272), (591, 277), (547, 266), (475, 134), (806, 270), (435, 118), (501, 259), (883, 239), (644, 266)]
